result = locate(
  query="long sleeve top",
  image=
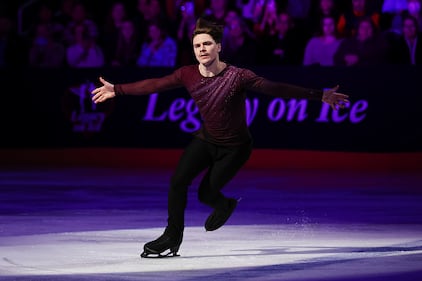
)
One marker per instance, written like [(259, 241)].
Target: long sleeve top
[(220, 99)]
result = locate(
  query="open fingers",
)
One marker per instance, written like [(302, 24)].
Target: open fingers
[(96, 91), (339, 103), (96, 98), (100, 97)]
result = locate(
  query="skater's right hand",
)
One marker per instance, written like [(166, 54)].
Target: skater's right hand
[(104, 92)]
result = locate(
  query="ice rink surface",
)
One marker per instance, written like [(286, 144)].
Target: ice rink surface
[(91, 224)]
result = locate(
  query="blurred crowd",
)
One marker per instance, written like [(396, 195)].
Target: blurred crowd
[(157, 33)]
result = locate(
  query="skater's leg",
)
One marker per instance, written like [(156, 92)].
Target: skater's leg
[(228, 161), (194, 160)]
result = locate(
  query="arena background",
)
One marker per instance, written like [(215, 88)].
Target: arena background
[(49, 112)]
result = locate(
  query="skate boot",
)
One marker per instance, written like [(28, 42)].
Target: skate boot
[(219, 217), (167, 245)]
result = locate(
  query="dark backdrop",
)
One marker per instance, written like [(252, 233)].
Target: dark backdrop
[(52, 108)]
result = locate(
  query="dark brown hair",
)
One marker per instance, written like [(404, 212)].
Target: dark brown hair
[(212, 29)]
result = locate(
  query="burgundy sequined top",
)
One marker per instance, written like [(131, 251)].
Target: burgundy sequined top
[(220, 99)]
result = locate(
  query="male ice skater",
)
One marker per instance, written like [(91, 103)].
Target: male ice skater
[(224, 143)]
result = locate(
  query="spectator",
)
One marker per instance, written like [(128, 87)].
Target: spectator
[(184, 33), (140, 17), (349, 19), (115, 18), (267, 25), (128, 45), (408, 48), (45, 51), (159, 49), (156, 12), (389, 9), (217, 11), (84, 52), (80, 16), (414, 10), (239, 44), (366, 47), (323, 9), (321, 48), (64, 14), (250, 10), (149, 11), (45, 16), (285, 47)]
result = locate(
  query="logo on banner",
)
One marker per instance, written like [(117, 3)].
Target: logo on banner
[(87, 118)]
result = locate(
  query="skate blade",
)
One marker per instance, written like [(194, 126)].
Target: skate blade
[(159, 256), (149, 255)]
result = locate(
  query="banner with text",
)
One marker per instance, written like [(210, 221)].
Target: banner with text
[(54, 108)]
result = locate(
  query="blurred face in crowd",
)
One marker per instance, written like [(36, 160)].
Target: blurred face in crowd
[(326, 5), (42, 36), (365, 30), (188, 10), (409, 29), (128, 29), (142, 6), (230, 16), (328, 26), (283, 23), (79, 13), (118, 11), (358, 5), (155, 33), (206, 49), (235, 27), (154, 8), (218, 5), (414, 6), (81, 33)]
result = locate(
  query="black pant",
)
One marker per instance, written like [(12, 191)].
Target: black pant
[(223, 162)]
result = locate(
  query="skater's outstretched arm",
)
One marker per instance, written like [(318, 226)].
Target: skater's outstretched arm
[(143, 87), (260, 84)]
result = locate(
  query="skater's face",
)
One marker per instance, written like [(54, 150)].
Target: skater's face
[(206, 49)]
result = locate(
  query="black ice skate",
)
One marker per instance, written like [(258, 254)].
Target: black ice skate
[(167, 245), (220, 216)]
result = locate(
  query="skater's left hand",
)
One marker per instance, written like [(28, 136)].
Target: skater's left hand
[(334, 99)]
